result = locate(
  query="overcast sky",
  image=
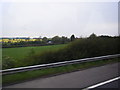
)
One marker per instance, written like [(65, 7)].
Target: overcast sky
[(62, 19)]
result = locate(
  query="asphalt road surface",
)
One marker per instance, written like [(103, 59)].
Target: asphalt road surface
[(114, 84), (79, 79)]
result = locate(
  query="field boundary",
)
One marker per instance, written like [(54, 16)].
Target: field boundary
[(57, 64)]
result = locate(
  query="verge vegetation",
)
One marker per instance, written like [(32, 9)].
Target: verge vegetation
[(28, 75), (80, 48)]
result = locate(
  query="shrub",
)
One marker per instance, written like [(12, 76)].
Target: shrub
[(81, 48)]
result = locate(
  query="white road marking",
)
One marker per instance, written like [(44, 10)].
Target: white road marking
[(102, 83)]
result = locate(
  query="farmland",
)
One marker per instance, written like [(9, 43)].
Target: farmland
[(16, 40), (77, 49), (29, 42), (21, 52)]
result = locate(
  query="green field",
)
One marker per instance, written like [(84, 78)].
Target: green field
[(21, 52), (78, 49)]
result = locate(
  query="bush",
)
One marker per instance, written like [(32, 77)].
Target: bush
[(81, 48)]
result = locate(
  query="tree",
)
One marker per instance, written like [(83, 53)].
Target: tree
[(72, 38), (44, 39), (92, 35), (56, 40), (64, 40)]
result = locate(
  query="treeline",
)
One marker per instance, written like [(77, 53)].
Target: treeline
[(40, 42), (77, 49)]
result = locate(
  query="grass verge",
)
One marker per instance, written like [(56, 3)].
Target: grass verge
[(19, 77)]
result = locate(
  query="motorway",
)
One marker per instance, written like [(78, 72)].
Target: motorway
[(114, 84), (78, 79)]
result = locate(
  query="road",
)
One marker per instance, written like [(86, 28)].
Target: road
[(114, 84), (78, 79)]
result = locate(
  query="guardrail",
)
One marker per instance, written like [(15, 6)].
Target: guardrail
[(36, 67)]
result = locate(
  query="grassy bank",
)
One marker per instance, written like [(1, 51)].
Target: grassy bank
[(18, 77)]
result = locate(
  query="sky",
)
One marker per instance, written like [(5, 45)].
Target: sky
[(50, 19)]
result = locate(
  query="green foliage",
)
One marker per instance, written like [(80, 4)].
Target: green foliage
[(92, 35), (31, 52), (7, 62), (44, 40), (20, 53), (81, 48), (64, 40), (17, 77), (72, 38)]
